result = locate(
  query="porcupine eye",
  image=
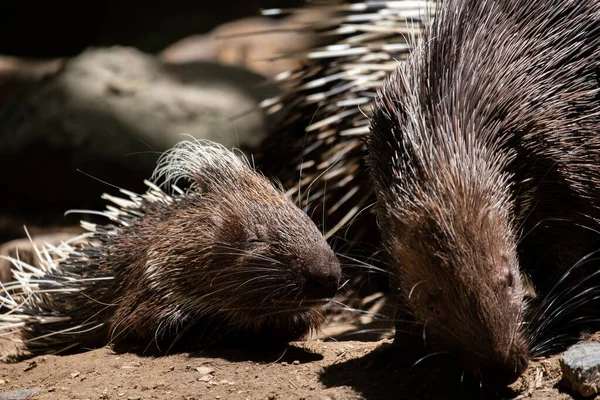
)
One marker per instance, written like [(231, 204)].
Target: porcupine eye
[(432, 307), (509, 278), (255, 242)]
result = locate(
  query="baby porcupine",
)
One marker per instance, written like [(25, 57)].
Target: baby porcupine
[(485, 153), (229, 255)]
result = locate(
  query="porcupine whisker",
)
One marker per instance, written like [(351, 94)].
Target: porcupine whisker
[(573, 302), (323, 220), (340, 287), (250, 254), (357, 311), (555, 316), (284, 312), (178, 337), (299, 196), (541, 348), (376, 317), (228, 246), (428, 356), (551, 298), (335, 161), (358, 214), (98, 179), (234, 287), (539, 224), (275, 292), (359, 332), (364, 265)]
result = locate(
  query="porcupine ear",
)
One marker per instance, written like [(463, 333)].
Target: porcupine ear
[(202, 163)]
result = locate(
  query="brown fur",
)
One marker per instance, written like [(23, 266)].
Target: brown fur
[(490, 129)]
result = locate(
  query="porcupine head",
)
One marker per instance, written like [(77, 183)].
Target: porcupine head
[(444, 210)]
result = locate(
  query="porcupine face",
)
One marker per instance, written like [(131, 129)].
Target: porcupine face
[(444, 210), (264, 265), (459, 278), (295, 265)]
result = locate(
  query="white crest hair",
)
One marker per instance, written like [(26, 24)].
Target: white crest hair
[(199, 160)]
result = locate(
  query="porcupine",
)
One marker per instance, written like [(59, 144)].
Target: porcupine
[(485, 153), (229, 255), (544, 173)]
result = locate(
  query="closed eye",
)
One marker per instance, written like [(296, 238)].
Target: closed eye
[(256, 241)]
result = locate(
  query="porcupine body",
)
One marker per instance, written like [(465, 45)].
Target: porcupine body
[(228, 256), (545, 96), (485, 154)]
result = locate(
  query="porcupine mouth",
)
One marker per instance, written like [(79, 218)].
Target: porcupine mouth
[(291, 322)]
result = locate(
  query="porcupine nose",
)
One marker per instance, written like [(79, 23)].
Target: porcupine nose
[(321, 277)]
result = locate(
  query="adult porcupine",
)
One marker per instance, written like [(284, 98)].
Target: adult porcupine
[(485, 152), (317, 150), (229, 255)]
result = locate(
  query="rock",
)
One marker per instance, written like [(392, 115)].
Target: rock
[(106, 115), (580, 367)]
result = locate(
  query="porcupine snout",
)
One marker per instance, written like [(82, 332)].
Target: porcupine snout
[(321, 274), (504, 372)]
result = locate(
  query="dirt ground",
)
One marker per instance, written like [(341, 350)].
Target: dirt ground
[(316, 369)]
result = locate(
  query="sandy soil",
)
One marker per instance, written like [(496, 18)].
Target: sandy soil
[(308, 370)]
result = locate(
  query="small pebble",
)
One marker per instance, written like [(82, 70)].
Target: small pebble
[(31, 365), (206, 373), (580, 366), (296, 362)]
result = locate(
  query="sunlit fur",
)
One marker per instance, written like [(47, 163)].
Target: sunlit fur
[(231, 255), (490, 129)]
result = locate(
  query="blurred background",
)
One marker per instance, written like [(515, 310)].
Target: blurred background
[(60, 29), (90, 94)]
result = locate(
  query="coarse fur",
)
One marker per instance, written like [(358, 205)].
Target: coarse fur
[(229, 255), (485, 153)]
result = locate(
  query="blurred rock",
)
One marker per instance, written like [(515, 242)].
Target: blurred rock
[(107, 113), (16, 72), (256, 43)]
